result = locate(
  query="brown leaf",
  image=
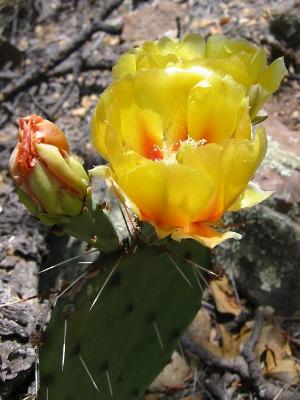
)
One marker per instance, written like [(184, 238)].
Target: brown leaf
[(224, 297), (173, 376), (274, 352)]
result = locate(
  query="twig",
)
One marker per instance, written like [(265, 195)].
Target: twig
[(87, 65), (58, 106), (37, 72), (245, 365), (40, 106), (178, 27), (236, 365), (249, 355)]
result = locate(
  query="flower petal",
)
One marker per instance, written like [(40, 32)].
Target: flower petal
[(205, 234), (213, 108), (273, 75), (125, 65), (240, 159), (191, 47), (166, 194), (251, 196)]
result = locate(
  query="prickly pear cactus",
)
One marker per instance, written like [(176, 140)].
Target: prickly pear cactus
[(112, 334), (93, 226)]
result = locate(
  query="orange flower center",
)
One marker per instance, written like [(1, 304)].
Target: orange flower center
[(27, 139)]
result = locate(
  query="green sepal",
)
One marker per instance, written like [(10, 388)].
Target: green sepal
[(43, 187), (28, 203), (70, 204)]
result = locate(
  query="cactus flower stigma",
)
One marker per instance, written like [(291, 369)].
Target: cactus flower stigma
[(51, 183), (175, 126)]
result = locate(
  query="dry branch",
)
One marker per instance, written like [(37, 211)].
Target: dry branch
[(246, 365), (37, 73)]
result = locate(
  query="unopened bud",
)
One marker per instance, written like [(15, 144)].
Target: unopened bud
[(50, 183)]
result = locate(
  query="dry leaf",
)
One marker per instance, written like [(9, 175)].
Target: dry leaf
[(231, 343), (224, 20), (173, 376), (274, 352), (200, 328), (287, 370), (153, 396), (224, 297)]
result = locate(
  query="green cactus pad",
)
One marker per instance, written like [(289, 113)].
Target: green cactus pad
[(115, 350), (92, 225)]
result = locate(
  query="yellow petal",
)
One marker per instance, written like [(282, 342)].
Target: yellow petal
[(215, 46), (213, 108), (101, 171), (125, 65), (273, 75), (258, 65), (257, 97), (142, 131), (146, 108), (106, 114), (206, 235), (121, 160), (207, 160), (166, 194), (192, 46), (243, 129), (240, 159), (251, 196), (203, 158), (166, 93)]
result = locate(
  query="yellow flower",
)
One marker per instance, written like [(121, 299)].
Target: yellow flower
[(245, 62), (179, 141)]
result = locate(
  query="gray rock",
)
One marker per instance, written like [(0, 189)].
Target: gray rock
[(265, 262)]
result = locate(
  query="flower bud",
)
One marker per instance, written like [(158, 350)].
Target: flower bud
[(50, 183)]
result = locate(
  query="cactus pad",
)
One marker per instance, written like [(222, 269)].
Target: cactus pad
[(116, 348)]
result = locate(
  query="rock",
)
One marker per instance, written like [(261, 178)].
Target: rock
[(285, 29), (265, 263), (285, 22), (21, 251)]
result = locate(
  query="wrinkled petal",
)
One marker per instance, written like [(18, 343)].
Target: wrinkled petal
[(273, 75), (125, 65), (240, 159), (251, 196), (191, 47), (146, 109), (213, 108), (168, 195), (205, 234), (257, 65)]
